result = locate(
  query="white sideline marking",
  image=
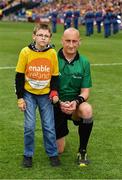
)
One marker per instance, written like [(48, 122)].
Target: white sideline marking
[(7, 68), (109, 64)]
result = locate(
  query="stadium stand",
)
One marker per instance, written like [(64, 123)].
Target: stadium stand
[(40, 10)]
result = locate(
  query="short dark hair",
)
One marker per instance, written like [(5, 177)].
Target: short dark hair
[(42, 26)]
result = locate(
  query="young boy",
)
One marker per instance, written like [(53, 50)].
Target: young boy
[(36, 86)]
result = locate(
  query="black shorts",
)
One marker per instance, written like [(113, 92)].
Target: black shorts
[(61, 122)]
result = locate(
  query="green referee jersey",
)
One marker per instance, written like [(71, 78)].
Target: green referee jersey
[(73, 76)]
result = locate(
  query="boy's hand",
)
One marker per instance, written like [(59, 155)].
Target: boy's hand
[(55, 99), (21, 104), (54, 96)]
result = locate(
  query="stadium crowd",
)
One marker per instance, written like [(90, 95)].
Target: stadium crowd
[(106, 13)]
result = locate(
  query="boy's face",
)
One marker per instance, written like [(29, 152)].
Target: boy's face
[(42, 38)]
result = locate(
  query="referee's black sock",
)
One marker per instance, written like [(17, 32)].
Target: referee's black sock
[(84, 131)]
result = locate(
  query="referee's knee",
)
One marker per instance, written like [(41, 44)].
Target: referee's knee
[(86, 110)]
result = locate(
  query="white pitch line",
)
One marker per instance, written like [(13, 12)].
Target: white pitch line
[(2, 68), (109, 64)]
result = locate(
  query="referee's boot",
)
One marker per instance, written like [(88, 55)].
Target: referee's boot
[(82, 158)]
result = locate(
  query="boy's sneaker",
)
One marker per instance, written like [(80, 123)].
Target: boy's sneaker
[(82, 158), (54, 161), (27, 162)]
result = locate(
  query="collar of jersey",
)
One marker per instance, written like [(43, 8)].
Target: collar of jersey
[(60, 53), (32, 47)]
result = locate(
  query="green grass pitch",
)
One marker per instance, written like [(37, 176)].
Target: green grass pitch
[(105, 145)]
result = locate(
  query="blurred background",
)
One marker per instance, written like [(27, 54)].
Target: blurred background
[(99, 23), (66, 12)]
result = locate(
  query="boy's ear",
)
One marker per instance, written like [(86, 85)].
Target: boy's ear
[(50, 40), (33, 37)]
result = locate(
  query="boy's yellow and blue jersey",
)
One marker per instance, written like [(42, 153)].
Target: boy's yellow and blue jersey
[(38, 68), (73, 76)]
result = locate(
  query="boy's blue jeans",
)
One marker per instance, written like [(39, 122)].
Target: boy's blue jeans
[(47, 121)]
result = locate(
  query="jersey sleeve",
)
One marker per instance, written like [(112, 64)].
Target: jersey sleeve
[(86, 81), (22, 61), (55, 67)]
